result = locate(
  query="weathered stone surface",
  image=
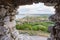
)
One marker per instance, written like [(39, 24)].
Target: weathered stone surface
[(7, 14), (50, 28), (56, 18), (7, 23), (6, 37), (3, 30)]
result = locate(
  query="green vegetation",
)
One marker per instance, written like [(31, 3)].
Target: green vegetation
[(39, 23), (35, 26)]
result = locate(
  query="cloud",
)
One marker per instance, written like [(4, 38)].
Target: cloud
[(39, 8)]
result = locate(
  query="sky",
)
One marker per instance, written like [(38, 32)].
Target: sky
[(39, 8)]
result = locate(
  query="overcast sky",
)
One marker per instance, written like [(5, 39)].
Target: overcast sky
[(39, 8)]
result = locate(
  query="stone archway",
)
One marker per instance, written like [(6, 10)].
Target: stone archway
[(8, 12)]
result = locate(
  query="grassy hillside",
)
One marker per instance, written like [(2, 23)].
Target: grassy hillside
[(36, 26), (36, 23)]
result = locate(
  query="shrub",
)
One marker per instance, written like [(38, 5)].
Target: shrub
[(36, 28), (43, 26), (20, 27)]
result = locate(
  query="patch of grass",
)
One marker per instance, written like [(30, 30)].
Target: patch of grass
[(36, 26)]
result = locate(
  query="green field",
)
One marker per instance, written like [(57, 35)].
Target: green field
[(36, 26), (37, 23)]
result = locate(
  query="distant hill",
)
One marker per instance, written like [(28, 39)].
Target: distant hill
[(48, 15), (33, 15)]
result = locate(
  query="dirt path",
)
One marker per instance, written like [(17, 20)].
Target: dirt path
[(38, 38), (26, 37)]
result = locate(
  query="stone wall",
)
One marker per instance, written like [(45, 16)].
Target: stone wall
[(55, 30), (7, 15), (7, 23)]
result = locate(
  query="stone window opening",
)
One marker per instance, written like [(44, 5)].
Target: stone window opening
[(7, 24)]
